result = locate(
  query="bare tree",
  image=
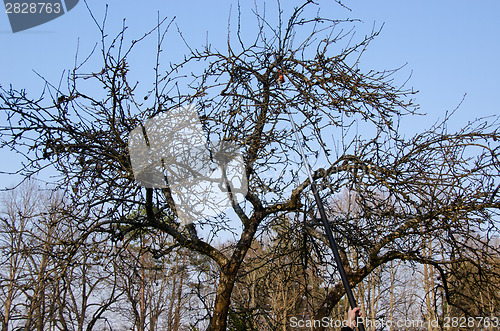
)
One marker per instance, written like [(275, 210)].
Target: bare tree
[(19, 207), (438, 183), (43, 288), (152, 285), (29, 241)]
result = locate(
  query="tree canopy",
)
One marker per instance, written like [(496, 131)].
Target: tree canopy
[(437, 185)]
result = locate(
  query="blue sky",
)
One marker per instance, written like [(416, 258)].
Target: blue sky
[(451, 47)]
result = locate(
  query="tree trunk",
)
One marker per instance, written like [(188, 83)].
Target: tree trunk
[(391, 302), (142, 303), (177, 312), (222, 301), (428, 284), (172, 297)]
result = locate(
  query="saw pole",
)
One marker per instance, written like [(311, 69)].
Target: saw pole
[(324, 219)]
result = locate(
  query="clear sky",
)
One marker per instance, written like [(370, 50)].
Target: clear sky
[(451, 47)]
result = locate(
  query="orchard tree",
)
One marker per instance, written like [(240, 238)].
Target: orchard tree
[(438, 184)]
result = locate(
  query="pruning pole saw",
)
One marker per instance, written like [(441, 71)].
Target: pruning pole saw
[(321, 208)]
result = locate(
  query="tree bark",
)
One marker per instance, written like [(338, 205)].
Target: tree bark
[(222, 300)]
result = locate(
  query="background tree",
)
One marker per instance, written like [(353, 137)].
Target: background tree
[(43, 288), (474, 284), (30, 239), (439, 184)]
